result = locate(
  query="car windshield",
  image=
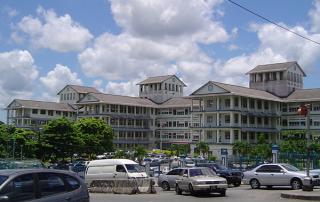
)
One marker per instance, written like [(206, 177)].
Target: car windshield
[(189, 162), (201, 172), (290, 167), (2, 179), (134, 168)]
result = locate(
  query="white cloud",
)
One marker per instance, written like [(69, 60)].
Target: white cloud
[(158, 38), (59, 33), (122, 88), (18, 73), (10, 12), (56, 79), (314, 15)]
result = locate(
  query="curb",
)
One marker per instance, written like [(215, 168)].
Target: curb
[(300, 196)]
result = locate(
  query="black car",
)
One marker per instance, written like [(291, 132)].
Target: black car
[(233, 177)]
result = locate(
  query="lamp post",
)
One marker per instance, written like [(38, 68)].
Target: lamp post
[(304, 110)]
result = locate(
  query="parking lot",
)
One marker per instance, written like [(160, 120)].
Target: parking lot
[(239, 194)]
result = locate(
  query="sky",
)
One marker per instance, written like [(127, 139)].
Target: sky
[(114, 44)]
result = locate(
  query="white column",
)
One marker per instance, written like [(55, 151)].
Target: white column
[(218, 136), (231, 118), (231, 102), (218, 103), (231, 136), (218, 119)]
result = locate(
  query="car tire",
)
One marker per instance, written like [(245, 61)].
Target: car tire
[(296, 184), (255, 184), (191, 189), (236, 184), (223, 192), (178, 190), (165, 186)]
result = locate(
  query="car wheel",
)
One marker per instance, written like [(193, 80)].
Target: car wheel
[(236, 184), (191, 189), (223, 192), (165, 186), (296, 184), (178, 190), (255, 184)]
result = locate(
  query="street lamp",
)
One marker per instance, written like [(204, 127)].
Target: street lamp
[(304, 110)]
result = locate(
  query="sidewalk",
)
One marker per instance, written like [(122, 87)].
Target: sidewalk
[(303, 195)]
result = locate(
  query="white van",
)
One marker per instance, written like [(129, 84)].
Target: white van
[(106, 169)]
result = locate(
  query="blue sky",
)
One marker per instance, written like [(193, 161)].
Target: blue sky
[(114, 44)]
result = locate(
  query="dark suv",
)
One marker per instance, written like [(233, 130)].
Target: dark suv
[(232, 176)]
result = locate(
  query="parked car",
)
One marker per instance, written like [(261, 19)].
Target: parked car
[(168, 180), (200, 179), (277, 175), (41, 185), (232, 176), (189, 163)]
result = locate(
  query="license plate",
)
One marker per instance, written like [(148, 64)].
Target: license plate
[(213, 187)]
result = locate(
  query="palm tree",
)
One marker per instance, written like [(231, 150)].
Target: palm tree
[(203, 147), (140, 152)]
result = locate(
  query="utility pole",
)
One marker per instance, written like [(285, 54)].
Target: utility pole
[(305, 111)]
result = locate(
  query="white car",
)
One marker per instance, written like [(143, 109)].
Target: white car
[(277, 175)]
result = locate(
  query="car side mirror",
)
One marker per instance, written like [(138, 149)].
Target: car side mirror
[(4, 198), (185, 175)]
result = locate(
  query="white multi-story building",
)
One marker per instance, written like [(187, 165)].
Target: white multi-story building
[(217, 113)]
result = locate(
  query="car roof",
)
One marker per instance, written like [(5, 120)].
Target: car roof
[(9, 172)]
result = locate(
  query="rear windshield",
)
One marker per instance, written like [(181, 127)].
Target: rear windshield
[(134, 168), (2, 179)]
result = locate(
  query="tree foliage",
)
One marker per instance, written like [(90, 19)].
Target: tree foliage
[(203, 148)]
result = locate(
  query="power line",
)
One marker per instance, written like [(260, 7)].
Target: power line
[(272, 22)]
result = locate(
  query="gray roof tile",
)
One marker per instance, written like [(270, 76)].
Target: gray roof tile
[(34, 104), (274, 67), (304, 95)]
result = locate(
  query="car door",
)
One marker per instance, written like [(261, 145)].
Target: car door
[(262, 174), (21, 188), (184, 179), (52, 188), (172, 176), (278, 176), (121, 172)]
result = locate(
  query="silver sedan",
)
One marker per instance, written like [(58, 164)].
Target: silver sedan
[(277, 175), (200, 179)]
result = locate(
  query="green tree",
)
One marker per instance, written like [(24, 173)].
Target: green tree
[(262, 149), (203, 148), (25, 143), (4, 141), (241, 148), (96, 135), (59, 139), (140, 152), (119, 154)]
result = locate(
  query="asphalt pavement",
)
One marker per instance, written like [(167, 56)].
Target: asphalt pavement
[(235, 194)]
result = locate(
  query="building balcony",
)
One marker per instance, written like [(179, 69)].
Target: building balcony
[(132, 141), (131, 128), (116, 115)]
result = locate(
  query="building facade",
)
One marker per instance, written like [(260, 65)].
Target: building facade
[(217, 113)]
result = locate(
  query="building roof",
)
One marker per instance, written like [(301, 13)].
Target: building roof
[(304, 95), (241, 91), (176, 102), (158, 79), (121, 100), (275, 67), (80, 89), (33, 104)]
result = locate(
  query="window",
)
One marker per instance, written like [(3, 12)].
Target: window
[(20, 189), (252, 104), (227, 118), (50, 184), (72, 182), (244, 102), (244, 119), (50, 112), (175, 172), (58, 113), (42, 111), (121, 169), (263, 169), (227, 102), (34, 111)]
